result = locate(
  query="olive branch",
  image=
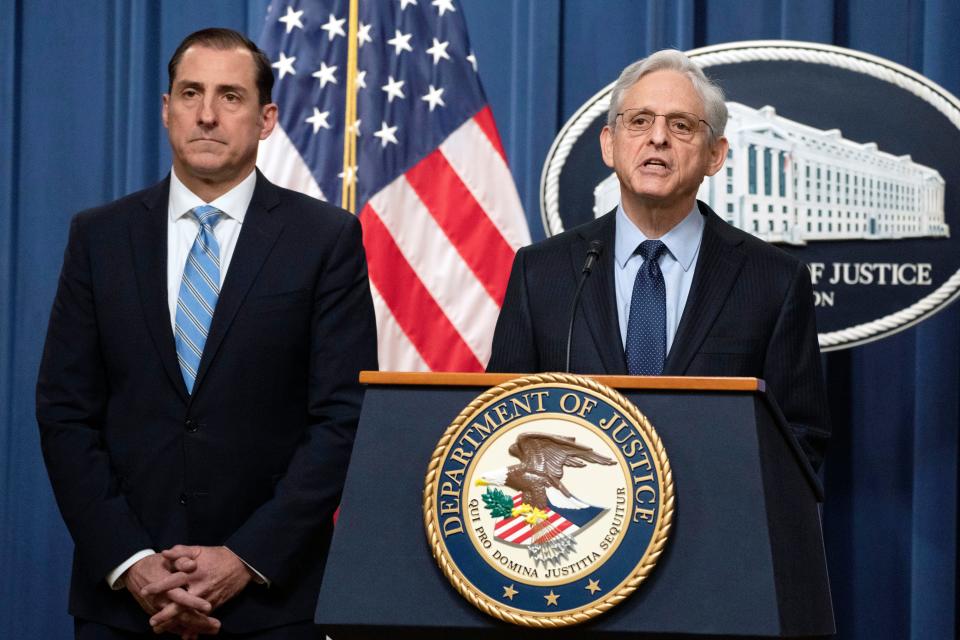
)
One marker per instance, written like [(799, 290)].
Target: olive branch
[(499, 505)]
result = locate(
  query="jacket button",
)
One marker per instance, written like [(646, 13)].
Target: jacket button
[(183, 498), (191, 426)]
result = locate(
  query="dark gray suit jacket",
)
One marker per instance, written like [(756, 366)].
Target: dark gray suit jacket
[(255, 458), (749, 313)]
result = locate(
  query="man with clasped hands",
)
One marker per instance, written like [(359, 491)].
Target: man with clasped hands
[(675, 290), (198, 394)]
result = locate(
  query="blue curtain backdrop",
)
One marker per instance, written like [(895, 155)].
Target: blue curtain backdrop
[(80, 86)]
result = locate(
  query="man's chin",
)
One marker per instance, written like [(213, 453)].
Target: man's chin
[(662, 200), (206, 166), (654, 193)]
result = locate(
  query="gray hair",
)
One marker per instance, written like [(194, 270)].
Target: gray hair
[(714, 105)]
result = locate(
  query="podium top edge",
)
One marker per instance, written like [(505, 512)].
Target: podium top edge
[(454, 379)]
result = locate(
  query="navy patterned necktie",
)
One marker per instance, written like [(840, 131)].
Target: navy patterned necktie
[(646, 347), (199, 290)]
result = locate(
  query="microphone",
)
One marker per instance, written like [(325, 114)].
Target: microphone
[(593, 254)]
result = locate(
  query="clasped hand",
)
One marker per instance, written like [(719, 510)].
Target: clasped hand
[(181, 586)]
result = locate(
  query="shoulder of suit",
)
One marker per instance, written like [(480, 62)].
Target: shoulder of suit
[(752, 246), (299, 206), (122, 207), (585, 232)]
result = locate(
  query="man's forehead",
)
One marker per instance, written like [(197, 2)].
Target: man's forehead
[(199, 59), (664, 84)]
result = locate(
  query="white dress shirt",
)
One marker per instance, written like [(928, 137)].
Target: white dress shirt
[(677, 263), (182, 231)]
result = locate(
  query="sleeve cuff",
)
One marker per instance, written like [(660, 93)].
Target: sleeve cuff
[(258, 577), (113, 578)]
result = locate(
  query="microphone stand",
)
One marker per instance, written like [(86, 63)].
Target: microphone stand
[(593, 255)]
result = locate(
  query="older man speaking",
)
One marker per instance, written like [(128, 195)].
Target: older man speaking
[(675, 291)]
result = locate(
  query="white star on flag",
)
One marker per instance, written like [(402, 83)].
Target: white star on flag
[(400, 42), (292, 19), (439, 50), (434, 97), (348, 174), (334, 27), (386, 134), (443, 5), (361, 79), (405, 3), (363, 34), (325, 74), (394, 89), (319, 120), (285, 65), (472, 59)]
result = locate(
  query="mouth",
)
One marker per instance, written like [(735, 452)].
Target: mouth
[(207, 140), (658, 164)]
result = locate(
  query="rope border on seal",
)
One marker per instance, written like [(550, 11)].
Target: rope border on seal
[(641, 571), (782, 50)]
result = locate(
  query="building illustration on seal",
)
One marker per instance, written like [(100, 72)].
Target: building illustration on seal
[(786, 182)]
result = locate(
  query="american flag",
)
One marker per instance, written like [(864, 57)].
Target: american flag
[(440, 212)]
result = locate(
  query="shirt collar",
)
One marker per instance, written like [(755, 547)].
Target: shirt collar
[(233, 203), (682, 241)]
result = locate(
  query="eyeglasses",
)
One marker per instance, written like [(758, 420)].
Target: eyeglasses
[(680, 123)]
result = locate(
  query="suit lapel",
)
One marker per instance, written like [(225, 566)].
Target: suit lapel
[(718, 266), (597, 303), (148, 239), (258, 234)]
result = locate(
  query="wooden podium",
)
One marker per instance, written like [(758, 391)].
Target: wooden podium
[(745, 556)]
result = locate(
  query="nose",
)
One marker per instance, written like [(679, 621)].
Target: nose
[(206, 112), (659, 134)]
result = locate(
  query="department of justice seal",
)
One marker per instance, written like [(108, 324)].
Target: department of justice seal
[(548, 500)]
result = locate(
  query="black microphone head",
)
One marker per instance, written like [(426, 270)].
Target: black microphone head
[(593, 254)]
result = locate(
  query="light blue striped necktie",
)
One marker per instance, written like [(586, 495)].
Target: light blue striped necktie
[(199, 290)]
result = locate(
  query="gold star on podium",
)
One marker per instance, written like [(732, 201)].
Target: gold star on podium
[(551, 598), (509, 592), (593, 586)]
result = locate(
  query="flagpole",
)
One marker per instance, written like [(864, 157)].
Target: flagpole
[(348, 193)]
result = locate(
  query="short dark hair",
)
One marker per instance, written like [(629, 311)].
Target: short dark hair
[(223, 39)]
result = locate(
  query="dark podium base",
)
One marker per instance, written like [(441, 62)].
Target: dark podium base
[(745, 556)]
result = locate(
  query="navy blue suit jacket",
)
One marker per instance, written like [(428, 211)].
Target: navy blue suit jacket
[(255, 458), (749, 313)]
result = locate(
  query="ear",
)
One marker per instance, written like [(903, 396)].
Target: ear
[(606, 145), (268, 119), (165, 110), (718, 153)]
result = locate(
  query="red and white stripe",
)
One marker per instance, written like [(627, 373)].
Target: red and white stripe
[(440, 241), (518, 531)]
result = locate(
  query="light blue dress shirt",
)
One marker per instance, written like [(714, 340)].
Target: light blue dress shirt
[(677, 264)]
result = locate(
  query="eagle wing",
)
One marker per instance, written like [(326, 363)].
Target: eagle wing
[(549, 454)]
